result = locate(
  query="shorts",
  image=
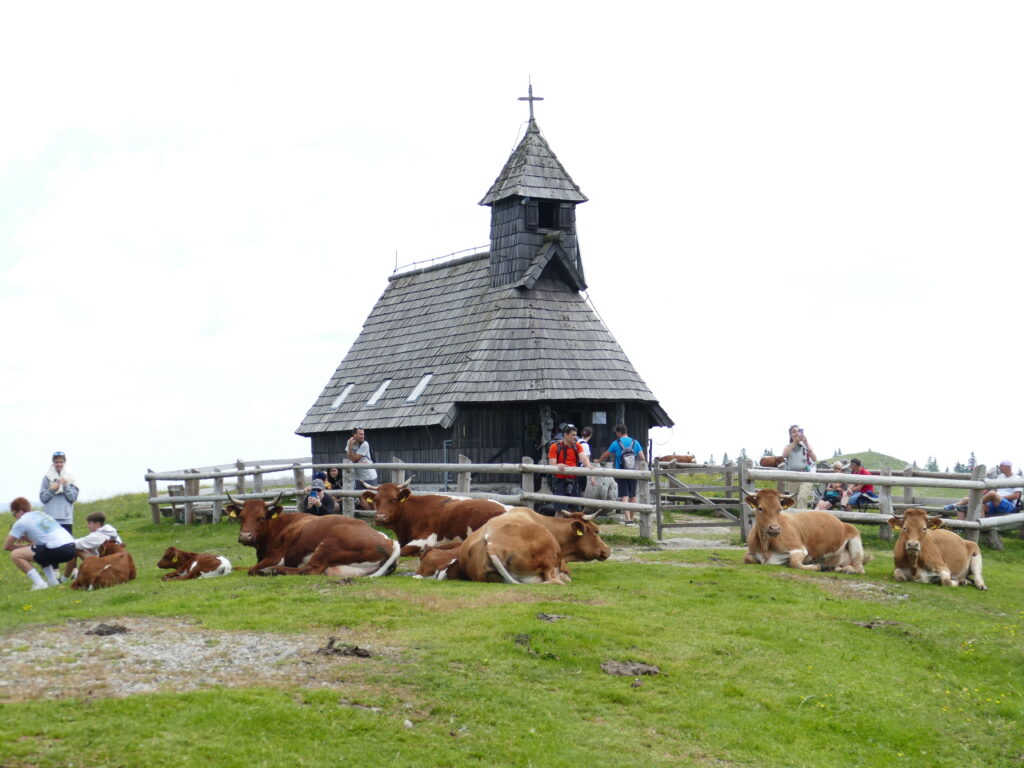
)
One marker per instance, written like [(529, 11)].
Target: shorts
[(832, 497), (627, 488), (46, 556), (1004, 507), (564, 486)]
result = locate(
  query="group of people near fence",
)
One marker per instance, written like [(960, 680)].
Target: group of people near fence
[(572, 448), (800, 457), (45, 537)]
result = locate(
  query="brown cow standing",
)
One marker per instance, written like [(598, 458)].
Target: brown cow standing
[(514, 549), (414, 519), (927, 554), (780, 538), (193, 565), (113, 566), (307, 544)]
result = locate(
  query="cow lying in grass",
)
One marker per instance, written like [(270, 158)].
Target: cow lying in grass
[(926, 553), (797, 538), (193, 565), (113, 566)]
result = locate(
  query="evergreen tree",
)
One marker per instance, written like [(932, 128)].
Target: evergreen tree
[(711, 459), (959, 467), (947, 469), (725, 458), (932, 465), (971, 462), (767, 452), (743, 454), (836, 454)]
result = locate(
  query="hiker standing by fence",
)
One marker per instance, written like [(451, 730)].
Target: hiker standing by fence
[(627, 452), (800, 457), (566, 453)]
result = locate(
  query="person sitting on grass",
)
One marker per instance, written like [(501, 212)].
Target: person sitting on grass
[(89, 545), (998, 501)]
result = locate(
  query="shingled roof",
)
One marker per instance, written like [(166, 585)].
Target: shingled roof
[(532, 170), (481, 345)]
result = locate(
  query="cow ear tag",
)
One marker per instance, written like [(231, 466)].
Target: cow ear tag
[(232, 513), (174, 559), (898, 528), (402, 500), (579, 532), (273, 516)]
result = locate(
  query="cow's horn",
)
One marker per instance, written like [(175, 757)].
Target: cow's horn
[(233, 500), (369, 487), (276, 499), (590, 516), (407, 482)]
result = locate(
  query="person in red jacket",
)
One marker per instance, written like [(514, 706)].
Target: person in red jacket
[(567, 452)]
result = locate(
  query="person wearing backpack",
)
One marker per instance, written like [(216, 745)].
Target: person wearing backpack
[(628, 453), (566, 453)]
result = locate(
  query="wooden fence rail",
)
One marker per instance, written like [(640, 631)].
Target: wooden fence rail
[(660, 487)]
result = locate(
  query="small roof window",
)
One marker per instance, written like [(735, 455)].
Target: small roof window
[(341, 398), (418, 389), (379, 393)]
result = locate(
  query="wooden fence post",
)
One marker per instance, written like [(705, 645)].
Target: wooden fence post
[(746, 487), (257, 479), (397, 475), (908, 490), (885, 505), (218, 505), (656, 493), (463, 479), (154, 509), (348, 480), (974, 501), (643, 496), (527, 480), (240, 479), (191, 489), (298, 477)]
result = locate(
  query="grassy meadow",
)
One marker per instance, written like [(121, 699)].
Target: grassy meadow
[(758, 665)]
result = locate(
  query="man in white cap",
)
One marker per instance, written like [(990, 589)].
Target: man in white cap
[(998, 501)]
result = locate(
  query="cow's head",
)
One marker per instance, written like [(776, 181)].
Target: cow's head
[(110, 547), (439, 562), (386, 499), (589, 544), (912, 528), (768, 504), (171, 559), (254, 514)]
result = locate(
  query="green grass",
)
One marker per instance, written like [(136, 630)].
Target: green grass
[(760, 666)]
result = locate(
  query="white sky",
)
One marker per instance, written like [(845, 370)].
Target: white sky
[(799, 212)]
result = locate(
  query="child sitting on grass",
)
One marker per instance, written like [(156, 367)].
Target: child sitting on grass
[(89, 546)]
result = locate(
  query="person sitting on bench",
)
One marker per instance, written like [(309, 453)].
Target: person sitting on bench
[(859, 494), (998, 501)]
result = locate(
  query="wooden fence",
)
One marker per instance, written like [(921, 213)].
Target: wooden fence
[(661, 488), (188, 500), (671, 489)]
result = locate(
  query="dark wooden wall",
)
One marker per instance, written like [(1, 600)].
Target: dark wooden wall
[(516, 237), (498, 434)]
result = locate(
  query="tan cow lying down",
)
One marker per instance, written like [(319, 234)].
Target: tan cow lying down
[(514, 549), (677, 458), (927, 554), (795, 538), (773, 461), (113, 566), (193, 565), (439, 563)]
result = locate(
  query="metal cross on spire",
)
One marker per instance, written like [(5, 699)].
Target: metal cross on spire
[(531, 98)]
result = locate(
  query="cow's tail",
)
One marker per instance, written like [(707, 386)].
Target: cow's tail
[(499, 566), (389, 564)]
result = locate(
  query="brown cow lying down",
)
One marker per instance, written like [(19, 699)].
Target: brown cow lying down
[(113, 566), (926, 554), (794, 538), (577, 537), (415, 518), (514, 549), (439, 562), (193, 565), (307, 544), (677, 458), (773, 461)]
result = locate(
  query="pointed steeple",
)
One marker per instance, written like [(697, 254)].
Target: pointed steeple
[(533, 216)]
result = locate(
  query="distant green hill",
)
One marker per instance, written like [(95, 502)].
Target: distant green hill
[(874, 460)]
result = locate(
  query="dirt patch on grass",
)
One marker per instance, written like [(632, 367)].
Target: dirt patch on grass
[(851, 587), (153, 655)]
